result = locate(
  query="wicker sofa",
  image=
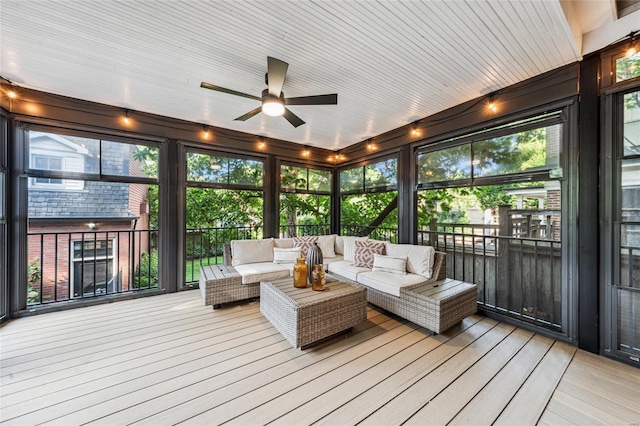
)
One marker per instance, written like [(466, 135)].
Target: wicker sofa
[(247, 262), (401, 292)]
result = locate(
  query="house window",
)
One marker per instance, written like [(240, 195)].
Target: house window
[(46, 162), (93, 268)]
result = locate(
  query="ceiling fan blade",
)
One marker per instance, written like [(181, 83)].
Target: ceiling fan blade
[(249, 114), (229, 91), (313, 100), (276, 71), (292, 118)]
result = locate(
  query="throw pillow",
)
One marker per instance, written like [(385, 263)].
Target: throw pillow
[(286, 255), (394, 265), (364, 251), (340, 244), (304, 243), (348, 246), (251, 251), (419, 258), (327, 245)]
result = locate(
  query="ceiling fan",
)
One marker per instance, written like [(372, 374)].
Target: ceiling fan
[(273, 101)]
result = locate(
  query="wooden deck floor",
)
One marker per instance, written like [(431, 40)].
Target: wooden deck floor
[(169, 359)]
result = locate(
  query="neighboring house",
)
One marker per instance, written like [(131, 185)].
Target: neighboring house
[(80, 232)]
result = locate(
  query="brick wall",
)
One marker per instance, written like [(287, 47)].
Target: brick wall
[(52, 252)]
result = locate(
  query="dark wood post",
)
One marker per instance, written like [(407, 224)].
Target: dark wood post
[(433, 237), (502, 257)]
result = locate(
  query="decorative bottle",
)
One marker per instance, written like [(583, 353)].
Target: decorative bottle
[(314, 257), (318, 280), (300, 273)]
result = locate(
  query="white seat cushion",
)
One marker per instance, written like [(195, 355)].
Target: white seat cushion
[(387, 282), (329, 260), (419, 258), (256, 272), (344, 268)]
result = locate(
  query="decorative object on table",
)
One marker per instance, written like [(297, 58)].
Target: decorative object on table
[(318, 278), (300, 273), (314, 257)]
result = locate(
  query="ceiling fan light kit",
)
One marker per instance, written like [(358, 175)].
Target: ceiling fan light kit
[(273, 106), (273, 100)]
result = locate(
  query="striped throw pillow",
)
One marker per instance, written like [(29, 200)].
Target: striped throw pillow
[(393, 265)]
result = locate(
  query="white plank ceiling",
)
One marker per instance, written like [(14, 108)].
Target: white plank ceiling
[(391, 62)]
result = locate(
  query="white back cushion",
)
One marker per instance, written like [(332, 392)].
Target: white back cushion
[(251, 251), (327, 245), (283, 242), (419, 258), (339, 245), (349, 247)]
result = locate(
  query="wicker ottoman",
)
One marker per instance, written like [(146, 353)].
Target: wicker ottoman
[(439, 305), (222, 284), (304, 316)]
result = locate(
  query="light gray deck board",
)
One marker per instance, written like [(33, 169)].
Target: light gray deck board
[(167, 359)]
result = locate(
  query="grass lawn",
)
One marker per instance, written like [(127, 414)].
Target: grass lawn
[(192, 270)]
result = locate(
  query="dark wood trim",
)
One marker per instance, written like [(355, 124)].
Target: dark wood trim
[(17, 220), (335, 202), (406, 200), (5, 259), (169, 260), (270, 218), (588, 241)]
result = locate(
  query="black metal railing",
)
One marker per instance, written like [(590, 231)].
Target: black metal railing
[(376, 233), (628, 291), (288, 231), (517, 277), (74, 265), (205, 246)]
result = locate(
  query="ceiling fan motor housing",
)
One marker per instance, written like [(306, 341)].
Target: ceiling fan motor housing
[(272, 105)]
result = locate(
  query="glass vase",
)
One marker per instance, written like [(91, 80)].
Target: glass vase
[(318, 280), (300, 273)]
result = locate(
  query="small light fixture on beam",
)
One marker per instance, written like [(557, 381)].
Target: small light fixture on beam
[(415, 130), (306, 152), (127, 117), (631, 51), (206, 132), (370, 145), (262, 145), (492, 105), (11, 93), (91, 226)]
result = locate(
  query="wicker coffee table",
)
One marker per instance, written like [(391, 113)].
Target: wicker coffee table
[(304, 316)]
